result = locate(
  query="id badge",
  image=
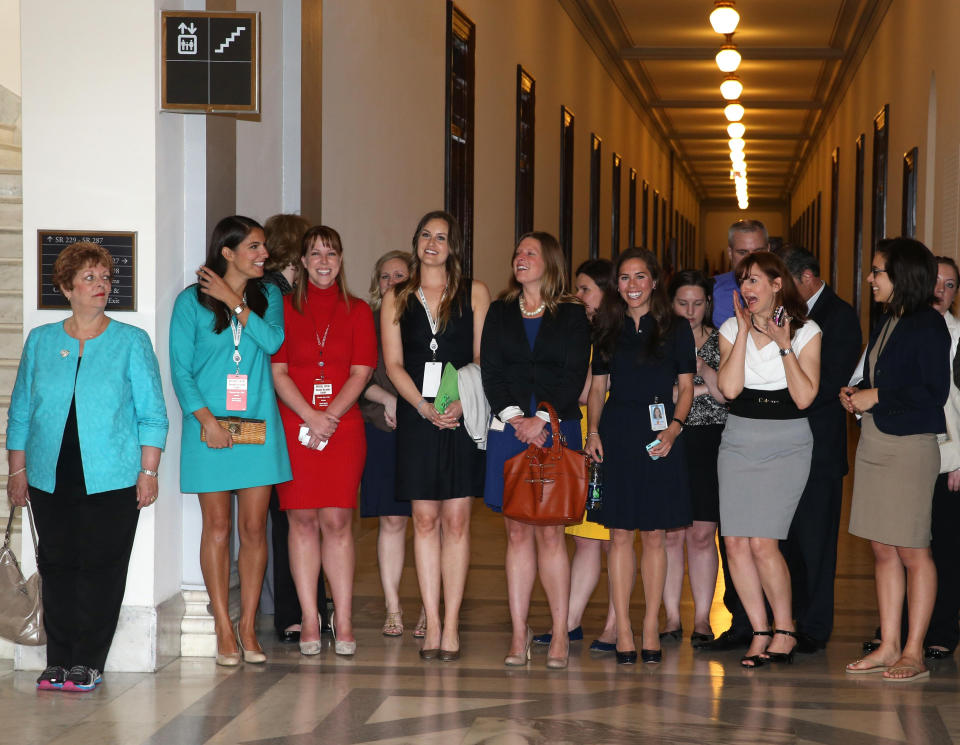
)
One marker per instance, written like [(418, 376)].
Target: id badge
[(236, 393), (322, 394), (658, 417), (432, 371)]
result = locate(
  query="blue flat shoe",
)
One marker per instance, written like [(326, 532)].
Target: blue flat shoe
[(574, 635), (598, 646)]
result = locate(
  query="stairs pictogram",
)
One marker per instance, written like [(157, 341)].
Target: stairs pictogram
[(230, 39)]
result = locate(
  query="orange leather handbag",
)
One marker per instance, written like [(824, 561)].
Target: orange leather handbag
[(546, 486)]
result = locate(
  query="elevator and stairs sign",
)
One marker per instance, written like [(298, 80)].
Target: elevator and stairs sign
[(211, 62)]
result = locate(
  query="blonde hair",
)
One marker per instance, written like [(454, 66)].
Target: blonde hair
[(376, 297)]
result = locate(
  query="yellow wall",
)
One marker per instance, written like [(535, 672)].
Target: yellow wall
[(915, 42), (383, 109)]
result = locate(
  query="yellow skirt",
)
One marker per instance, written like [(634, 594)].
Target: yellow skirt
[(587, 529)]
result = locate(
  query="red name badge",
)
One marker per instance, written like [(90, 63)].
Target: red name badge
[(236, 393)]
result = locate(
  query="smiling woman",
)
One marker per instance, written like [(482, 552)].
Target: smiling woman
[(219, 375), (326, 360)]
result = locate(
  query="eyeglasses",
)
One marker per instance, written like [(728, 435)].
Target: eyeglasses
[(875, 270)]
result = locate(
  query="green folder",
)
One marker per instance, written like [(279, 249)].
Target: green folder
[(448, 390)]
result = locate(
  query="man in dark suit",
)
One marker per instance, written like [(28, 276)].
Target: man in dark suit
[(811, 546)]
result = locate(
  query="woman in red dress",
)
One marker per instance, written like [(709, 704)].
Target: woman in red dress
[(329, 353)]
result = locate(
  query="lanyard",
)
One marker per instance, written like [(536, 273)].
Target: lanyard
[(434, 322), (237, 328), (321, 343)]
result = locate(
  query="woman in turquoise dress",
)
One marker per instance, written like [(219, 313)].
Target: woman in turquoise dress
[(222, 334)]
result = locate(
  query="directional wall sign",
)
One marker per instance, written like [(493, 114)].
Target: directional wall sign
[(211, 62), (122, 246)]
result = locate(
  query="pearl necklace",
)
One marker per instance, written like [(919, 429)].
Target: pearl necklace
[(531, 313)]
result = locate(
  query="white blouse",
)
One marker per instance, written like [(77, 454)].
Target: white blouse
[(763, 368)]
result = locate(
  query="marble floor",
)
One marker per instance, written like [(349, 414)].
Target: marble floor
[(387, 695)]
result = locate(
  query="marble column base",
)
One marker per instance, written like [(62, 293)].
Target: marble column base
[(198, 636), (146, 640)]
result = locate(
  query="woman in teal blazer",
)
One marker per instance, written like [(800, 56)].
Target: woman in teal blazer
[(222, 334), (85, 429)]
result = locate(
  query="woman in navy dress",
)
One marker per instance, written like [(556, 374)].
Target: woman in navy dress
[(536, 347), (641, 349)]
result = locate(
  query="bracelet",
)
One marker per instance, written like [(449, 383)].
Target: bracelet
[(422, 402), (679, 422), (18, 471), (148, 472), (591, 434)]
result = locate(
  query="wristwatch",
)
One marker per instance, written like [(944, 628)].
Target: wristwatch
[(785, 352), (239, 309)]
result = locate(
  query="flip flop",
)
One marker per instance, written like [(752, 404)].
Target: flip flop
[(865, 670), (918, 674)]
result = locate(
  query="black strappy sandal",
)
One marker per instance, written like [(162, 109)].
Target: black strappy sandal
[(755, 660), (785, 658)]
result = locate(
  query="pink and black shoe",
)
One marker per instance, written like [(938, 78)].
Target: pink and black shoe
[(82, 679), (52, 679)]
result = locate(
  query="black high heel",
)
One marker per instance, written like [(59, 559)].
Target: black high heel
[(756, 660), (783, 657)]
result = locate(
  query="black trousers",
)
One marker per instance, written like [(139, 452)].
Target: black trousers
[(84, 551), (811, 554), (286, 606), (944, 627)]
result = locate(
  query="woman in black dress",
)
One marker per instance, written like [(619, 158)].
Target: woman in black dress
[(435, 318), (641, 348)]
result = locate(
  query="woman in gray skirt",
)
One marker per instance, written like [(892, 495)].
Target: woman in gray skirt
[(769, 372), (906, 380)]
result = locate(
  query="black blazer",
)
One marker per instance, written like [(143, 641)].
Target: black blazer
[(839, 354), (554, 371), (912, 375)]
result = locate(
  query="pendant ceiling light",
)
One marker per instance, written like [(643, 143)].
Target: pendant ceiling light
[(736, 129), (733, 111), (728, 58), (737, 157), (737, 144), (731, 88), (724, 17)]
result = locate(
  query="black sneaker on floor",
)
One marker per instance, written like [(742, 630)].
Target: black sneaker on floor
[(52, 678), (82, 678)]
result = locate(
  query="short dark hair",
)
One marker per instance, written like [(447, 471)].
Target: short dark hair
[(798, 259), (284, 234), (912, 269)]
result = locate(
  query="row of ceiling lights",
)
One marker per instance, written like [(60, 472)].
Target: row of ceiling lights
[(724, 20)]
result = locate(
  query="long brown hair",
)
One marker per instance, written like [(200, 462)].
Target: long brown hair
[(553, 284), (331, 239), (613, 309), (456, 282), (788, 295)]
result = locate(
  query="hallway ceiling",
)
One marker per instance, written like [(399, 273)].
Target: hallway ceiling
[(797, 59)]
